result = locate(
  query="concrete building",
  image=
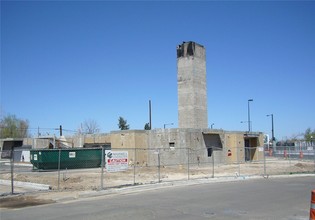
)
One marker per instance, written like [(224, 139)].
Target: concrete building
[(192, 86), (183, 145), (174, 145)]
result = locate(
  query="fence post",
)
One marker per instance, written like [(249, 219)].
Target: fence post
[(102, 168), (265, 161), (188, 162), (59, 158), (213, 162), (238, 161), (12, 169), (134, 167), (289, 155), (159, 166)]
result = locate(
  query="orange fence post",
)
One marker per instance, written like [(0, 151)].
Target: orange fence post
[(312, 209), (301, 154), (285, 153), (270, 152)]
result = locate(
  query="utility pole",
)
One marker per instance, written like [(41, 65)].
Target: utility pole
[(272, 131), (249, 122), (150, 125)]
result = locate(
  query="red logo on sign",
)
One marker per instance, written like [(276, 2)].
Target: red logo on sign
[(123, 160)]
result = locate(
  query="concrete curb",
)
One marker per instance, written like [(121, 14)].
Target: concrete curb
[(20, 164), (25, 185)]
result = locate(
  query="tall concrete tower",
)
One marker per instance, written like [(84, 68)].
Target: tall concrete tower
[(192, 86)]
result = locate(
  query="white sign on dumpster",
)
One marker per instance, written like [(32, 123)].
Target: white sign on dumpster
[(116, 160)]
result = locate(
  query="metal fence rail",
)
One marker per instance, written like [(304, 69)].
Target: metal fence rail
[(147, 166)]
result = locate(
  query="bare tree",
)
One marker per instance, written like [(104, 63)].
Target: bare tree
[(90, 127), (13, 127)]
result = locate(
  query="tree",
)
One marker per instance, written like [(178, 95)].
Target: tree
[(13, 127), (90, 127), (122, 124), (147, 126)]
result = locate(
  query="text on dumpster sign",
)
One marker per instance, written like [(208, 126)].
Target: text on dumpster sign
[(116, 160)]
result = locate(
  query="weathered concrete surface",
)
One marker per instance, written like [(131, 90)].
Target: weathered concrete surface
[(192, 86)]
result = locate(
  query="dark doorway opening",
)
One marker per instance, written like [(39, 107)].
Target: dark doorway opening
[(250, 147), (213, 143)]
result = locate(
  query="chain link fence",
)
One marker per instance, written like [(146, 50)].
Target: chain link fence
[(99, 168)]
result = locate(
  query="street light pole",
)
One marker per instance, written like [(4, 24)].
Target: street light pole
[(272, 130), (60, 130), (249, 122), (150, 122)]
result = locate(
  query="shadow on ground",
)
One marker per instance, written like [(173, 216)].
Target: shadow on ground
[(22, 201)]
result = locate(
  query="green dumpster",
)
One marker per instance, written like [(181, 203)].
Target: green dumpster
[(73, 158)]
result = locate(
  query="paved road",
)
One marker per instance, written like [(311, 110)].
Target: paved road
[(275, 198)]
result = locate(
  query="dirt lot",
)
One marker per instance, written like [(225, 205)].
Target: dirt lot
[(90, 179), (69, 182)]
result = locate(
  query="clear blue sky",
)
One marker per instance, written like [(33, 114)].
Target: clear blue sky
[(64, 62)]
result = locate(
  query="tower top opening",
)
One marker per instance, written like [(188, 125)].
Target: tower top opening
[(190, 48)]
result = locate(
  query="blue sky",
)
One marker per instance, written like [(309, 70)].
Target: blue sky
[(64, 62)]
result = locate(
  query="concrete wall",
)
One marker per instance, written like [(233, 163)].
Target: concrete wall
[(133, 141), (172, 145), (79, 140), (234, 147), (192, 86), (180, 146)]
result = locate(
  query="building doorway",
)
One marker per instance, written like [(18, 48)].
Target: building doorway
[(213, 142), (250, 147)]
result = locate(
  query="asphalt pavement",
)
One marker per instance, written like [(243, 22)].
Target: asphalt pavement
[(278, 197)]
